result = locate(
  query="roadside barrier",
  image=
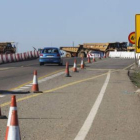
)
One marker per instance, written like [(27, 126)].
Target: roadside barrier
[(67, 70), (82, 63), (13, 106), (75, 66), (123, 54), (2, 116), (14, 132), (35, 87), (8, 58)]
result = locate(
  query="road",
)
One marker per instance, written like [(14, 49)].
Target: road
[(97, 103)]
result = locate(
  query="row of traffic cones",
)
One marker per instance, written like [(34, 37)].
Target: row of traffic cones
[(35, 87), (74, 67), (94, 60)]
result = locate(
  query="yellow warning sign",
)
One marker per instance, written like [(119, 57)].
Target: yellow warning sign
[(137, 31)]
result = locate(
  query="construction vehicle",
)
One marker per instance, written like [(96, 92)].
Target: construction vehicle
[(82, 49), (7, 47)]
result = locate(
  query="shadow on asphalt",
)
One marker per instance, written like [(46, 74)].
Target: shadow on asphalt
[(3, 92)]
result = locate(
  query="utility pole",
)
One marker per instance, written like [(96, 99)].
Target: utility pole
[(73, 43)]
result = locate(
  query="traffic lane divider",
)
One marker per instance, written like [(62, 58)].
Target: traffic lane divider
[(54, 89)]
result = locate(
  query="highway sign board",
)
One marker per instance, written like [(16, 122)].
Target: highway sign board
[(131, 38), (137, 31)]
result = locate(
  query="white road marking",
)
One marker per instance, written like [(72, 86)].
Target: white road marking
[(23, 87), (2, 96), (28, 85), (88, 122), (39, 81)]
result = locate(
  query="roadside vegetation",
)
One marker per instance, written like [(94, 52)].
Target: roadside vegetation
[(134, 74)]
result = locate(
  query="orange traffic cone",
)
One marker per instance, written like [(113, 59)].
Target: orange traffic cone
[(104, 55), (14, 132), (82, 63), (89, 59), (13, 106), (94, 58), (75, 66), (35, 88), (2, 116), (67, 70), (100, 56)]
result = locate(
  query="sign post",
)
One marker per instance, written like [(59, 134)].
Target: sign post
[(137, 30)]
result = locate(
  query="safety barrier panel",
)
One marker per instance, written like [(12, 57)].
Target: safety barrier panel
[(8, 58), (126, 55)]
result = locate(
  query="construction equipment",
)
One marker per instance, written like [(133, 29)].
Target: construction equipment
[(82, 49), (7, 47)]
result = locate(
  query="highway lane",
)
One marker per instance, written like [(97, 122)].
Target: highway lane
[(15, 74), (60, 114)]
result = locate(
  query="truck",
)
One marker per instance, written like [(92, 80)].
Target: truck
[(82, 49), (7, 47)]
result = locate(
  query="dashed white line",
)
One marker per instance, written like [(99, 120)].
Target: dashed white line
[(88, 122), (2, 96)]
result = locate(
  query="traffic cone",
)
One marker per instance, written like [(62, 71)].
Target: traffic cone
[(14, 132), (35, 87), (2, 116), (94, 58), (67, 70), (89, 59), (82, 63), (13, 106), (75, 66), (100, 56), (104, 55)]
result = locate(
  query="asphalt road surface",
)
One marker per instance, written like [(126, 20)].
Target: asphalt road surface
[(95, 103)]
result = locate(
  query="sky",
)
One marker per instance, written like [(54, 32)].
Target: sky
[(42, 23)]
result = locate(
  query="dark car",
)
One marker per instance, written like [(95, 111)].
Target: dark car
[(50, 55)]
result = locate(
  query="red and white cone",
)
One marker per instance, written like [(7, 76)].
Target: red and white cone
[(89, 59), (13, 106), (2, 116), (14, 132), (67, 70), (82, 63), (93, 58), (104, 55), (35, 87), (75, 66)]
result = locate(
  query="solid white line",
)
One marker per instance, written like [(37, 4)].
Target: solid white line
[(88, 122)]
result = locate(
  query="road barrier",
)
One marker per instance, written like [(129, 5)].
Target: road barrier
[(8, 58), (125, 55)]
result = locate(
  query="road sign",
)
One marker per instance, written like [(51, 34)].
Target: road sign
[(131, 38), (137, 30)]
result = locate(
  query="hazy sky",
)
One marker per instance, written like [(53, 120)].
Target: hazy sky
[(42, 23)]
